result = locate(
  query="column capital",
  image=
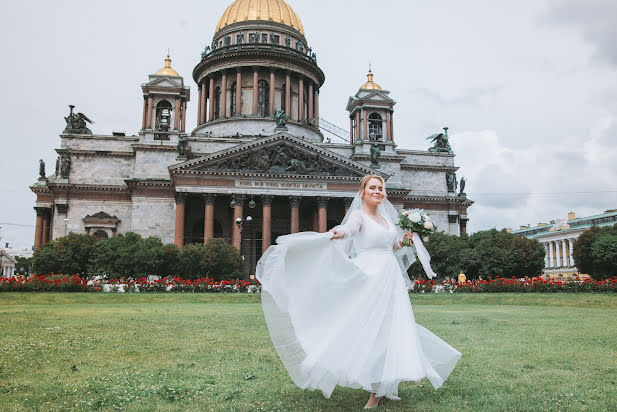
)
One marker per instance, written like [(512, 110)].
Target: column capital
[(266, 200), (41, 211), (347, 201), (180, 197), (209, 198), (238, 199), (322, 201), (294, 201)]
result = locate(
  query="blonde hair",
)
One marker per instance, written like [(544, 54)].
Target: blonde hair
[(365, 180)]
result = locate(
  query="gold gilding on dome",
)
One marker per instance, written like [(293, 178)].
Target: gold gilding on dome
[(370, 84), (268, 10), (167, 70)]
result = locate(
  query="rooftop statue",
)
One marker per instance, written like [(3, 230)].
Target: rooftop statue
[(375, 153), (451, 181), (76, 123), (41, 168), (440, 142), (281, 118), (182, 141), (463, 182)]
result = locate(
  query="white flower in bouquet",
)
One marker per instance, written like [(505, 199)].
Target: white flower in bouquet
[(428, 224), (415, 217), (425, 239)]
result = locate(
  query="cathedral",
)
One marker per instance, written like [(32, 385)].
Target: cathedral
[(259, 162)]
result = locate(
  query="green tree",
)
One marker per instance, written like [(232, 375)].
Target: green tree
[(582, 250), (190, 261), (23, 265), (171, 260), (221, 261), (125, 255), (446, 255), (68, 255), (604, 254)]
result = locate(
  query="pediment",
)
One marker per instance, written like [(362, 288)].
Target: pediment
[(164, 82), (279, 154)]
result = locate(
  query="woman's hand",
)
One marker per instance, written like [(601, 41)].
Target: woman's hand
[(338, 234), (407, 235)]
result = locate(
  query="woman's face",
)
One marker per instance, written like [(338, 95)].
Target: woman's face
[(373, 192)]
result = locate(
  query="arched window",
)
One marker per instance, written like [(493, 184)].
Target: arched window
[(163, 116), (217, 103), (263, 98), (375, 130), (101, 234), (233, 99), (284, 97)]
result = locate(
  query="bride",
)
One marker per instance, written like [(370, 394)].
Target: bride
[(337, 307)]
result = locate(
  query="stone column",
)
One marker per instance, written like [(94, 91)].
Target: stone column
[(255, 90), (199, 91), (177, 114), (571, 242), (358, 136), (239, 92), (224, 94), (183, 116), (266, 223), (391, 126), (463, 225), (209, 199), (46, 218), (144, 114), (347, 201), (38, 230), (550, 254), (288, 94), (322, 211), (317, 103), (565, 254), (310, 102), (557, 253), (364, 124), (350, 130), (211, 99), (294, 202), (388, 126), (179, 232), (202, 117), (236, 234), (149, 118), (546, 257), (272, 83), (301, 99)]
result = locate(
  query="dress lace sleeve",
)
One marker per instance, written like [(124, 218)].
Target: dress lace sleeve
[(353, 224)]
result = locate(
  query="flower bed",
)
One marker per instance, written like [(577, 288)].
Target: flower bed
[(525, 285), (75, 283)]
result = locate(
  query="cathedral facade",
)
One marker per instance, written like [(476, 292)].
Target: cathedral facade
[(256, 165)]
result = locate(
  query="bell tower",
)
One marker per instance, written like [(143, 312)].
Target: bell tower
[(165, 100), (370, 114)]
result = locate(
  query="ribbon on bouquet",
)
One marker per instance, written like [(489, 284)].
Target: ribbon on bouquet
[(423, 255)]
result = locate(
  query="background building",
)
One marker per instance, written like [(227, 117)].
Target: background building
[(558, 238), (257, 149)]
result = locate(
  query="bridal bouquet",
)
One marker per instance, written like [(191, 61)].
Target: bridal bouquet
[(415, 220)]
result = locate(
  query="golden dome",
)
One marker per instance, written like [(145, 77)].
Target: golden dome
[(167, 70), (370, 84), (268, 10)]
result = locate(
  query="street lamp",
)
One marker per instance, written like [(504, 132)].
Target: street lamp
[(240, 222)]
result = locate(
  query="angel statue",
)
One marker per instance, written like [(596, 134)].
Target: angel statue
[(76, 123), (281, 118), (440, 142), (41, 168)]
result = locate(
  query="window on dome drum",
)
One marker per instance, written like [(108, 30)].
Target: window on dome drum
[(253, 37), (264, 38), (275, 39), (283, 98), (233, 99), (263, 99), (217, 103), (163, 116), (375, 131)]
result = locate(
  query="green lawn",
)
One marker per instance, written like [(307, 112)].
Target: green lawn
[(194, 352)]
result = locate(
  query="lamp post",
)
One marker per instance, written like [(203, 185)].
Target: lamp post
[(66, 223), (240, 222)]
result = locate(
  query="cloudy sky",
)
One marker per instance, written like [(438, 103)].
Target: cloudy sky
[(528, 88)]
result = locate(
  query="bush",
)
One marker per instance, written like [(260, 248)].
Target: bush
[(215, 259), (67, 254), (595, 252)]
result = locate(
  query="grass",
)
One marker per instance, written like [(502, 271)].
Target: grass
[(198, 352)]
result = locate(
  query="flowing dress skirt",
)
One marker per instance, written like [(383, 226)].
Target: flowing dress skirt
[(340, 321)]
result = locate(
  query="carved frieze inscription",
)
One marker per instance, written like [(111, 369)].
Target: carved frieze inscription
[(260, 184)]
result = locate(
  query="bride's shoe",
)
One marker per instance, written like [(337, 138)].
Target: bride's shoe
[(379, 402)]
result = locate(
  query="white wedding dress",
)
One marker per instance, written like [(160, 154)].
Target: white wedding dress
[(341, 321)]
